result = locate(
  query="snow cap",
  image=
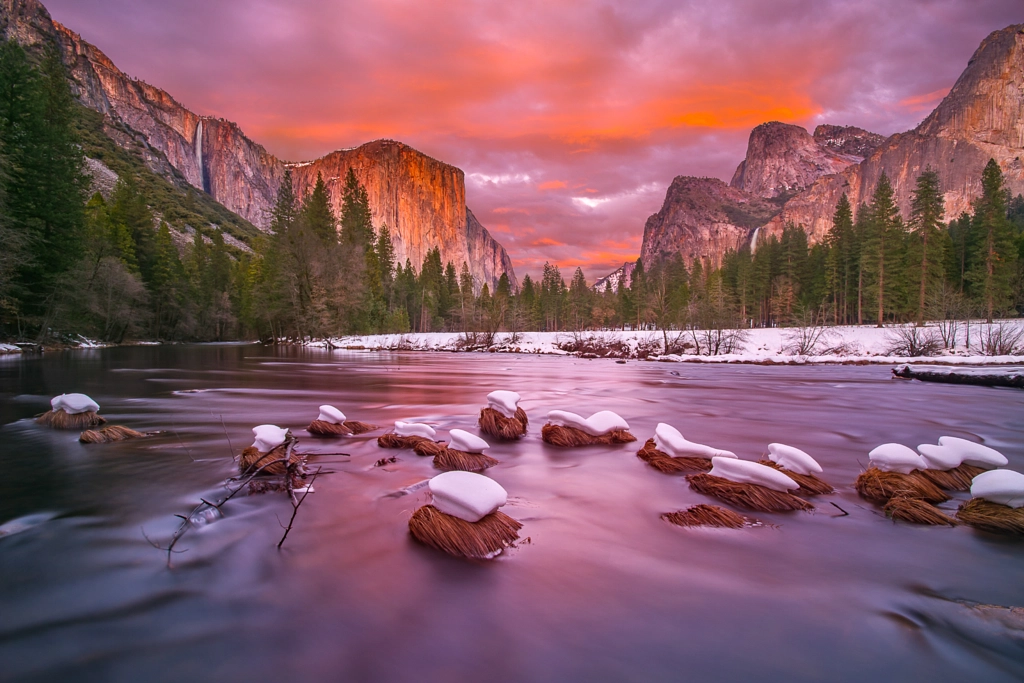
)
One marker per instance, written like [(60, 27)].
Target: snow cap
[(597, 424), (940, 457), (332, 415), (268, 437), (747, 472), (1000, 486), (72, 404), (793, 459), (414, 429), (974, 453), (668, 440), (464, 441), (466, 495), (895, 457), (505, 402)]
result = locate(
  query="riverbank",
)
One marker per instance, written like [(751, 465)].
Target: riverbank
[(1002, 342)]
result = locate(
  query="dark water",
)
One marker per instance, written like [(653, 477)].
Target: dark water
[(603, 591)]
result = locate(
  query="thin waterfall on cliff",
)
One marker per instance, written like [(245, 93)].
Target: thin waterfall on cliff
[(753, 240), (198, 143)]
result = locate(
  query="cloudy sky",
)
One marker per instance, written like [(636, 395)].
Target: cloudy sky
[(570, 118)]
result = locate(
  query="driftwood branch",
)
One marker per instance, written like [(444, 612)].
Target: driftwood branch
[(241, 482)]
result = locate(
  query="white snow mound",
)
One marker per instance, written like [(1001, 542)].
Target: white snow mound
[(466, 495), (793, 459), (74, 404), (668, 440), (268, 437), (895, 457), (332, 415), (462, 440), (505, 402), (1000, 486), (414, 429), (747, 472), (974, 453), (597, 424), (940, 457)]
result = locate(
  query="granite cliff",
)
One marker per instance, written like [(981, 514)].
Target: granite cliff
[(420, 199), (802, 176)]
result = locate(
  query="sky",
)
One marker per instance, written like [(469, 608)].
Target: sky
[(570, 118)]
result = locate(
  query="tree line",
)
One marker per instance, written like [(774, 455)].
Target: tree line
[(114, 269)]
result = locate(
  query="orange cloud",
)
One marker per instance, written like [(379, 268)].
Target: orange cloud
[(552, 185), (546, 242)]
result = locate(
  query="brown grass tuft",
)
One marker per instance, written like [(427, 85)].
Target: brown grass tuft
[(478, 540), (110, 434), (810, 485), (988, 516), (252, 460), (916, 511), (748, 496), (324, 428), (58, 419), (663, 462), (879, 487), (450, 459), (392, 440), (497, 425), (429, 448), (706, 515), (570, 437), (956, 479), (357, 427)]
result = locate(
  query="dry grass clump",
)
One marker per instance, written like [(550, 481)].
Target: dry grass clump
[(706, 515), (956, 479), (663, 462), (392, 440), (497, 425), (451, 459), (475, 540), (916, 511), (995, 517), (325, 428), (59, 419), (748, 496), (252, 460), (879, 487), (570, 437), (357, 427), (110, 434), (428, 448), (810, 485)]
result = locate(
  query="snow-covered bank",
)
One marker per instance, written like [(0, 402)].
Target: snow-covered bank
[(846, 344)]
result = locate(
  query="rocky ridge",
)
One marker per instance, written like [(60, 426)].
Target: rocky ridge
[(422, 200), (982, 117)]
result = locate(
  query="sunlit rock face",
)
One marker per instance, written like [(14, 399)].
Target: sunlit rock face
[(702, 218), (981, 118), (422, 200), (783, 159)]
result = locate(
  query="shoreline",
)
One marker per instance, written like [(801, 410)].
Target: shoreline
[(842, 345)]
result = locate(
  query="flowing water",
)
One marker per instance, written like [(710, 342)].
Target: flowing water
[(601, 589)]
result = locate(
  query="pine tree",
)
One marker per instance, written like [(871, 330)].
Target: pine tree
[(926, 214), (356, 222), (879, 247), (839, 261), (995, 259), (317, 212)]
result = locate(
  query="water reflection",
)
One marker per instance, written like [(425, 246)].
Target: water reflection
[(603, 590)]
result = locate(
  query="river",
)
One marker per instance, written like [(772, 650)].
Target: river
[(601, 588)]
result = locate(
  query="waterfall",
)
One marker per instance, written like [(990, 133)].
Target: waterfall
[(753, 240), (198, 144)]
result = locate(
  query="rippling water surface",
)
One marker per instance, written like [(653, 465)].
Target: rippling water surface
[(603, 590)]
